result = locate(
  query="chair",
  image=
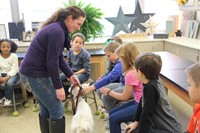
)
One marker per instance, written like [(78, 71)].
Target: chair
[(93, 97), (23, 101), (88, 96)]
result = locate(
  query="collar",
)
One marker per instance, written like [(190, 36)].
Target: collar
[(67, 38)]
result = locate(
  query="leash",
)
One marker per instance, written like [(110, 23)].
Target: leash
[(74, 105)]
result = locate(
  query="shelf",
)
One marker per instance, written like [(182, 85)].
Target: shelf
[(189, 8)]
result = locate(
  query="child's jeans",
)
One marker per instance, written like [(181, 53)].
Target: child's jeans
[(9, 87), (123, 113), (82, 78)]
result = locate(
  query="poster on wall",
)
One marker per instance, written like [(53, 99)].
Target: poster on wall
[(187, 15), (3, 31)]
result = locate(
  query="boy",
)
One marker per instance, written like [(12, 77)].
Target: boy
[(193, 79), (111, 64), (78, 60), (113, 75), (154, 113)]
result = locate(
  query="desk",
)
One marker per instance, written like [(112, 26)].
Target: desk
[(97, 56), (172, 61), (173, 74)]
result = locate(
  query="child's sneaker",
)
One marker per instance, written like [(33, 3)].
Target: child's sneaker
[(102, 109), (2, 100), (7, 102)]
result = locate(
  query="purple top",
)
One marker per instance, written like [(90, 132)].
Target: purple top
[(44, 57)]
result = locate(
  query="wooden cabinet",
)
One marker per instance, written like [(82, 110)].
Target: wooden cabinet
[(150, 46), (185, 52)]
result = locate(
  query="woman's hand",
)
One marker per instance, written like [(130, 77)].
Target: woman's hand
[(60, 94), (129, 128), (104, 91), (74, 80)]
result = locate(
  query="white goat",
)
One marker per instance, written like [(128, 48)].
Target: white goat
[(82, 121)]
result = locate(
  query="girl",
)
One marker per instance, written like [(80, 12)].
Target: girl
[(133, 88), (8, 69)]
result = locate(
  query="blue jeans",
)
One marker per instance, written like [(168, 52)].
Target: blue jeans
[(82, 78), (45, 93), (9, 87), (123, 113), (108, 101)]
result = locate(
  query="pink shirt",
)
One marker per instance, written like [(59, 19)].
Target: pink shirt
[(130, 79)]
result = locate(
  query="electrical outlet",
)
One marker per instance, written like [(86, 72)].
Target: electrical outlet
[(15, 40)]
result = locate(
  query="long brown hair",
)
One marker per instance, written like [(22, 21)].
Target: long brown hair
[(63, 13), (127, 53)]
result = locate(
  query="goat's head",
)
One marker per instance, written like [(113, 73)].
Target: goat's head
[(74, 90)]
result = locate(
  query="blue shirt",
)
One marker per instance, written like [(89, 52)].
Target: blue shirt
[(112, 76), (44, 57)]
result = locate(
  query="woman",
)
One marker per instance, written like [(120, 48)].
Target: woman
[(39, 71)]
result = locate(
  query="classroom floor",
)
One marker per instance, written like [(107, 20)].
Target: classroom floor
[(27, 121)]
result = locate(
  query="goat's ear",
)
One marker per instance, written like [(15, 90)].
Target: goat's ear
[(69, 90)]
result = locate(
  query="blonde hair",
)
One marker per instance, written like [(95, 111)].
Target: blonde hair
[(194, 72), (127, 53), (62, 13), (111, 47)]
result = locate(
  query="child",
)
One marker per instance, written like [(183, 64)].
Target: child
[(133, 88), (111, 65), (8, 70), (154, 113), (193, 79), (113, 75), (78, 59)]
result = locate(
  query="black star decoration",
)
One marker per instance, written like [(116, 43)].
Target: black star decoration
[(121, 22), (140, 18)]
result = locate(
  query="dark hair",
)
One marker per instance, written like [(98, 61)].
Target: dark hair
[(12, 44), (78, 35), (149, 64), (63, 13)]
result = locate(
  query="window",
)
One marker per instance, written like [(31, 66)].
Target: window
[(40, 10), (5, 13)]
